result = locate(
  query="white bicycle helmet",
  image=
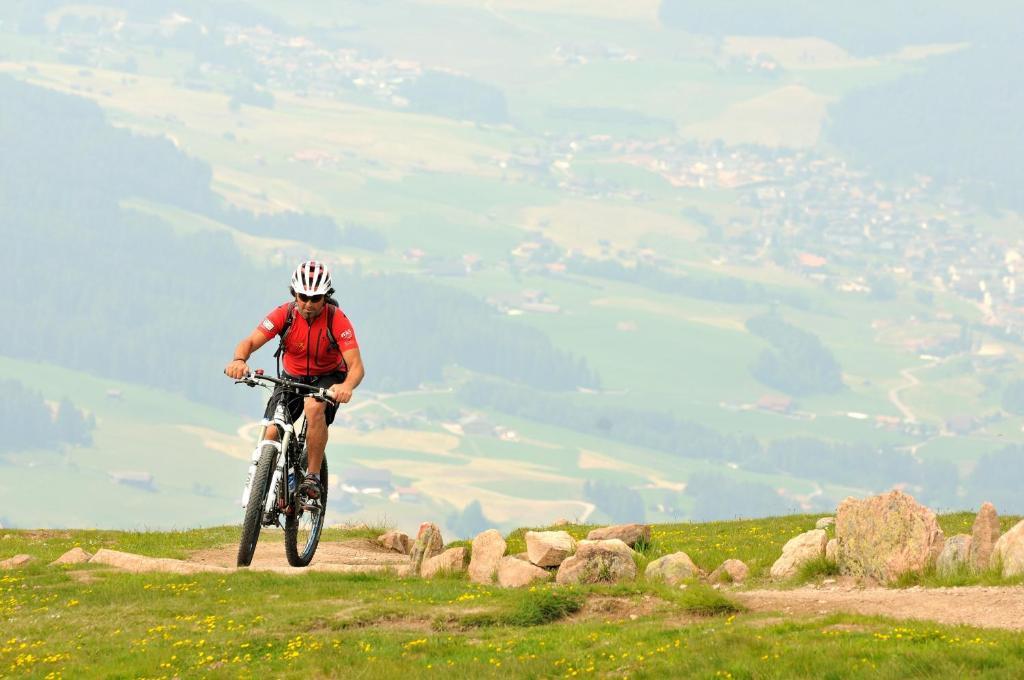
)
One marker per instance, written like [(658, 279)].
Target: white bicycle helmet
[(312, 278)]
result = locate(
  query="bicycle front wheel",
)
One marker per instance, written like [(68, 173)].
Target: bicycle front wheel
[(254, 505), (302, 528)]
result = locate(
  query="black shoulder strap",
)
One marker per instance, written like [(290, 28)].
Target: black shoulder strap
[(289, 316), (331, 340)]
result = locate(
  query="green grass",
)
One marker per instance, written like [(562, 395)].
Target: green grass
[(88, 621)]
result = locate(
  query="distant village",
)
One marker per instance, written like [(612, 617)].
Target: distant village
[(835, 224)]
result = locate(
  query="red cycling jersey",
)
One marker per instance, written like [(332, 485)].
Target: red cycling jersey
[(307, 349)]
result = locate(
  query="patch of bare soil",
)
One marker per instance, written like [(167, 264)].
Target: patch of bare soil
[(982, 606), (352, 555), (611, 608)]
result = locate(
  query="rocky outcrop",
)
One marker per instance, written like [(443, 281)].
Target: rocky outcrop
[(1009, 550), (607, 561), (428, 544), (630, 534), (141, 563), (451, 561), (672, 569), (885, 536), (74, 556), (955, 555), (16, 561), (396, 541), (832, 550), (730, 571), (824, 522), (513, 572), (549, 548), (488, 549), (984, 535), (798, 551)]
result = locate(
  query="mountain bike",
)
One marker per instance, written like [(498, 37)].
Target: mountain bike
[(277, 468)]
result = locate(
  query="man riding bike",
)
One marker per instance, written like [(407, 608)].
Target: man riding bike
[(319, 348)]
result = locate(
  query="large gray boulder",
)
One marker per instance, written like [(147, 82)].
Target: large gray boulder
[(955, 555), (1009, 550), (429, 543), (488, 549), (798, 551), (984, 535), (516, 573), (630, 534), (606, 561), (549, 548), (885, 536), (672, 569)]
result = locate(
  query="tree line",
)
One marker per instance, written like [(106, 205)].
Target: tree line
[(862, 466), (798, 363), (31, 424)]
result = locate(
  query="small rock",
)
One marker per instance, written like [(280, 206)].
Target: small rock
[(984, 535), (832, 550), (630, 534), (955, 554), (560, 522), (1009, 550), (396, 541), (730, 571), (672, 569), (516, 573), (428, 544), (16, 561), (824, 522), (549, 548), (488, 549), (74, 556), (607, 561), (799, 550), (451, 561)]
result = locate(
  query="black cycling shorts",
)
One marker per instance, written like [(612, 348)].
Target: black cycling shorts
[(294, 402)]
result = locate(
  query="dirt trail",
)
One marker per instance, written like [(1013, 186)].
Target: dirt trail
[(353, 555), (982, 606), (985, 607)]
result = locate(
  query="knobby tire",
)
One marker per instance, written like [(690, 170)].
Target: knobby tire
[(254, 506), (310, 523)]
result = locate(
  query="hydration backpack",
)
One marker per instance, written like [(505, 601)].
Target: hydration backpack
[(289, 317)]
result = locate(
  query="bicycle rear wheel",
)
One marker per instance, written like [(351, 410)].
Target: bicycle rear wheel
[(254, 505), (302, 528)]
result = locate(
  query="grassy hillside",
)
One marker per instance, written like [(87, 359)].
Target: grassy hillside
[(91, 621)]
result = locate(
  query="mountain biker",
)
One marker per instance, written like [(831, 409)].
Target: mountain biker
[(319, 348)]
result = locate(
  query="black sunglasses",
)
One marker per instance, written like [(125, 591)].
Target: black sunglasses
[(309, 298)]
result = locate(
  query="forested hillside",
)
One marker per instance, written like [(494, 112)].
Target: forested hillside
[(122, 294)]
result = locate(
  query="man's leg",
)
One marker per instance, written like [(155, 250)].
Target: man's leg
[(316, 434)]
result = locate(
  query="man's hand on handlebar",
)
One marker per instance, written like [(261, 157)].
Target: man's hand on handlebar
[(236, 370), (340, 393)]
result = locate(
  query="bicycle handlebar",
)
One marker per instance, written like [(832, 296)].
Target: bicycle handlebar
[(318, 393)]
